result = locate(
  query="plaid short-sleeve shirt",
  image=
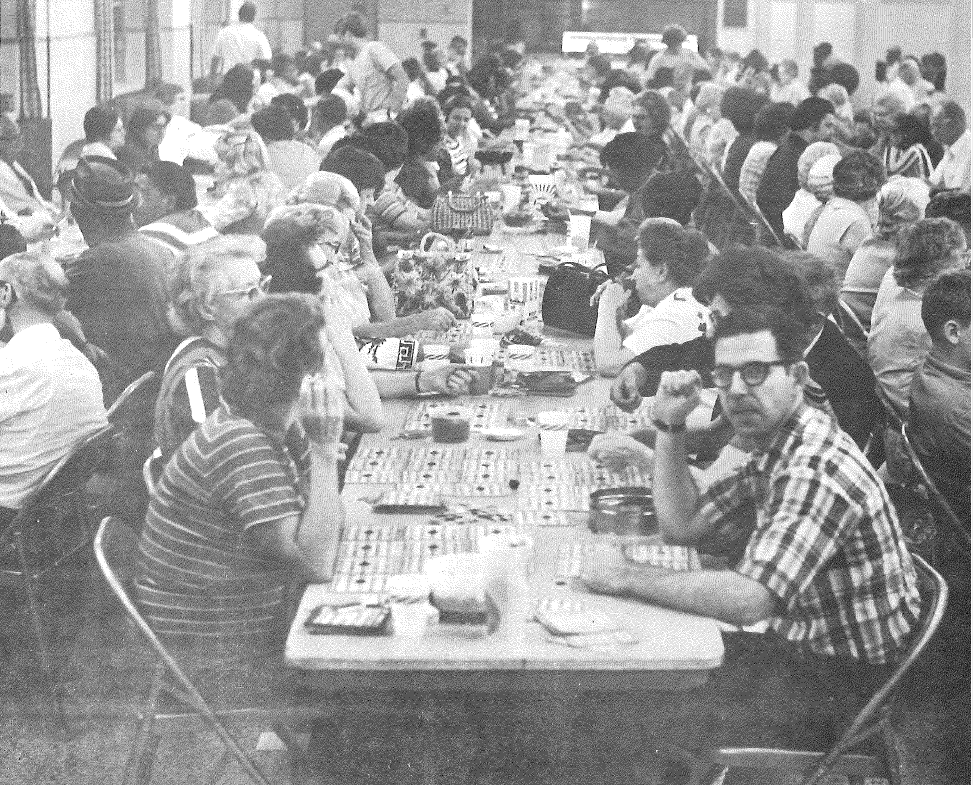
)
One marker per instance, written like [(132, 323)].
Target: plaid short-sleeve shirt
[(825, 541)]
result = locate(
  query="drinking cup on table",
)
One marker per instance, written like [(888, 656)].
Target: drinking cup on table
[(482, 323), (521, 129), (511, 197), (480, 363), (456, 580), (505, 583), (520, 356), (494, 198), (450, 424), (436, 355), (579, 231), (529, 153), (553, 432), (411, 619), (487, 347)]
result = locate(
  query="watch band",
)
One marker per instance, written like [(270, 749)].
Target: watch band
[(665, 427)]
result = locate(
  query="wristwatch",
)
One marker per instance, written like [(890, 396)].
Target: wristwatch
[(677, 427), (418, 389)]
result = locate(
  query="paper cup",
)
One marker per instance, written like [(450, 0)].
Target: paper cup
[(579, 231), (511, 197), (435, 355), (521, 129), (487, 347), (456, 578), (450, 424), (482, 323), (520, 352), (529, 153), (554, 443), (411, 619), (495, 198), (526, 289)]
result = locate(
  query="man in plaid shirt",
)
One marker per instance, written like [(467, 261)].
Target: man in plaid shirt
[(823, 558)]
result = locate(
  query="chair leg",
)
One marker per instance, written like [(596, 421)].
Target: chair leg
[(234, 748), (893, 761), (138, 767), (43, 651), (218, 770)]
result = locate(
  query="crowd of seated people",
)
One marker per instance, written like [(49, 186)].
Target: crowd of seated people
[(243, 273)]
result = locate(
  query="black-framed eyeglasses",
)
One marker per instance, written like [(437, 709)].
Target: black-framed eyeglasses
[(753, 373)]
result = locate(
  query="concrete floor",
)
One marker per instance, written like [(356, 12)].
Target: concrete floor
[(105, 672)]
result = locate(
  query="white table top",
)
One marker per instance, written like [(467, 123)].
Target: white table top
[(670, 647)]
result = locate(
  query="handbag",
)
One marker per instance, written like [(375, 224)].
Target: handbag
[(462, 214), (567, 298), (435, 276)]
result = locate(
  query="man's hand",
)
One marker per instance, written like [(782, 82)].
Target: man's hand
[(618, 451), (448, 380), (436, 319), (607, 570), (361, 226), (626, 392), (677, 396)]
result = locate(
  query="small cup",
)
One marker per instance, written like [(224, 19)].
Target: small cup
[(482, 323), (511, 197), (450, 424), (553, 432), (435, 355), (579, 231), (488, 347), (521, 128), (411, 619), (495, 198)]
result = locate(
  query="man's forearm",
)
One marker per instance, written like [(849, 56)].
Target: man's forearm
[(720, 594), (674, 491)]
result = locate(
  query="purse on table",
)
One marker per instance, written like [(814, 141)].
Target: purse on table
[(434, 276), (454, 213), (567, 298)]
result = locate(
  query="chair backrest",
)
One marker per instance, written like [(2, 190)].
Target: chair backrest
[(934, 594), (72, 472), (930, 486), (757, 215), (152, 470), (851, 326), (115, 548), (138, 396)]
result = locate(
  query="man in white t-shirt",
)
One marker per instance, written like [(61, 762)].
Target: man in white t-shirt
[(375, 75), (949, 128), (239, 43)]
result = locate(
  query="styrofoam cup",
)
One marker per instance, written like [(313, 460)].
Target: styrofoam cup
[(579, 231)]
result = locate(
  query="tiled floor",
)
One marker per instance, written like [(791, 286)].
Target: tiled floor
[(105, 671)]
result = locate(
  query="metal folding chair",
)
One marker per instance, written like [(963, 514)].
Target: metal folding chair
[(52, 526), (134, 399), (872, 721), (932, 493), (852, 327), (115, 546)]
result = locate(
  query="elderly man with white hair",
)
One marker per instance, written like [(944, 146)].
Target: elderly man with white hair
[(50, 394)]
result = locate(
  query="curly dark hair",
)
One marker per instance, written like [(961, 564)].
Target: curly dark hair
[(740, 106), (362, 168), (236, 87), (288, 261), (755, 278), (926, 248), (387, 141), (273, 123), (294, 107), (682, 251), (789, 334), (274, 344), (672, 195), (423, 123)]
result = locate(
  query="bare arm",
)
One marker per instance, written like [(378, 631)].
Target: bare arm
[(306, 541), (610, 355), (364, 407), (719, 594)]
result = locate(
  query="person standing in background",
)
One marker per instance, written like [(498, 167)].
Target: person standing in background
[(240, 43), (375, 74)]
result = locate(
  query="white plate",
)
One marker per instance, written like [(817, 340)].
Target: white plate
[(503, 434)]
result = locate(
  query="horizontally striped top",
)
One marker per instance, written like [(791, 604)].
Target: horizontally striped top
[(201, 570)]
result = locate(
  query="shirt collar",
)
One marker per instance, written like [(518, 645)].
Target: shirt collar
[(941, 363), (36, 333)]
